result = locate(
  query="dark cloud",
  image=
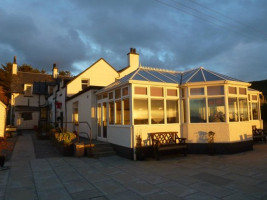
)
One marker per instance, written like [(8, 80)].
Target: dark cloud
[(224, 36)]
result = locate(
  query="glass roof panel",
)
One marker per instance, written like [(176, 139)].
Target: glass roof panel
[(173, 75), (198, 77), (166, 77), (149, 76), (211, 77), (138, 77), (188, 75)]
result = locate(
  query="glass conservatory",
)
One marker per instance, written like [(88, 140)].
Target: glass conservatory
[(191, 103)]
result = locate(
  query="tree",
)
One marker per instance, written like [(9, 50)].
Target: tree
[(64, 73), (5, 78), (28, 68)]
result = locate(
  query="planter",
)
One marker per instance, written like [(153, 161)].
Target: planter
[(65, 149), (79, 149)]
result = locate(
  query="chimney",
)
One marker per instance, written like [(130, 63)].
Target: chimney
[(133, 59), (15, 66), (55, 71)]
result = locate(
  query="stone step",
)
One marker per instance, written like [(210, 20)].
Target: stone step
[(101, 150)]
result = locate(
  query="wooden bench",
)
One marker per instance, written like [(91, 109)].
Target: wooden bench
[(258, 134), (164, 141)]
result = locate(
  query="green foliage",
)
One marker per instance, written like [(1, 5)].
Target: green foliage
[(28, 68), (66, 137), (64, 73), (5, 78), (264, 112), (261, 86)]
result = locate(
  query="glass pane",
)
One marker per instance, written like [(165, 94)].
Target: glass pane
[(126, 112), (172, 92), (216, 109), (184, 111), (242, 91), (215, 90), (255, 111), (172, 111), (117, 93), (105, 95), (140, 90), (233, 109), (99, 120), (196, 91), (125, 91), (157, 111), (140, 113), (254, 97), (243, 108), (99, 97), (232, 90), (197, 110), (118, 112), (156, 91), (111, 112), (104, 119), (110, 95), (75, 112)]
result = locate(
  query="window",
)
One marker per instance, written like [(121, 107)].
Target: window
[(172, 92), (232, 90), (43, 113), (28, 90), (197, 110), (125, 91), (254, 97), (126, 111), (140, 90), (118, 112), (75, 112), (85, 83), (111, 112), (196, 91), (110, 95), (140, 111), (157, 111), (243, 109), (255, 111), (26, 116), (117, 93), (215, 90), (233, 109), (172, 111), (99, 120), (242, 91), (99, 97), (156, 91), (216, 109), (184, 111), (105, 95)]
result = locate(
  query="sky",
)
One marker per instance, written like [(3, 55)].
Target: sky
[(229, 37)]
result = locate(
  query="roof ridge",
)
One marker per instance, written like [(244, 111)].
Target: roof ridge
[(159, 69)]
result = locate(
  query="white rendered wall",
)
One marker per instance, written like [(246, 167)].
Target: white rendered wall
[(2, 119), (119, 135)]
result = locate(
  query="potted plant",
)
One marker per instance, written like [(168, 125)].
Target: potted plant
[(65, 142)]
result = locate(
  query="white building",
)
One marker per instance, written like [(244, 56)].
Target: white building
[(3, 110)]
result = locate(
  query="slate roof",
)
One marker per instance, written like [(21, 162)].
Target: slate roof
[(167, 76), (39, 81)]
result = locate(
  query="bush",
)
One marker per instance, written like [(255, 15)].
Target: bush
[(66, 137)]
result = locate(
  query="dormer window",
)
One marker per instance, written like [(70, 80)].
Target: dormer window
[(85, 83), (28, 89)]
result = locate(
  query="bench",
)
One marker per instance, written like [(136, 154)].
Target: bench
[(164, 141), (258, 134)]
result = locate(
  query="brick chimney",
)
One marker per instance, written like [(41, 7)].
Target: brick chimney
[(55, 71), (15, 66)]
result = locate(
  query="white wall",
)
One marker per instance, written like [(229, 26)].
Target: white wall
[(2, 119)]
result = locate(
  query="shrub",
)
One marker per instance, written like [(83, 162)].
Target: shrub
[(66, 137)]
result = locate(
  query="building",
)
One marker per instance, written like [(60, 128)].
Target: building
[(3, 109)]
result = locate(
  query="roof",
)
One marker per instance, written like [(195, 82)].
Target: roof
[(167, 76), (39, 81)]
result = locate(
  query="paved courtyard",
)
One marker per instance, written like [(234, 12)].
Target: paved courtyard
[(239, 176)]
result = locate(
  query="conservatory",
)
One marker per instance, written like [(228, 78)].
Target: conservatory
[(191, 103)]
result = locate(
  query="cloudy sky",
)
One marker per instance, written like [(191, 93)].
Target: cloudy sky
[(229, 37)]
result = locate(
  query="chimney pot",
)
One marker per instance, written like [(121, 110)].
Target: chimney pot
[(15, 59)]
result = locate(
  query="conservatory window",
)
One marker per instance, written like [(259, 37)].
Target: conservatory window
[(196, 91), (233, 109), (216, 110), (99, 120), (140, 90), (117, 93), (126, 111), (215, 90), (118, 112), (125, 91), (255, 111), (172, 111), (140, 111), (156, 91), (242, 91), (254, 97), (197, 110), (110, 95), (172, 92), (243, 109), (232, 90), (111, 112), (105, 95), (157, 111)]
